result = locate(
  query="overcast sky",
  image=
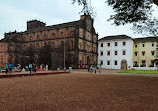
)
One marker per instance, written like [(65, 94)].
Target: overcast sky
[(15, 13)]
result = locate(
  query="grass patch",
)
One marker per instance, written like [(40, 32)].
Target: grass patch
[(140, 71)]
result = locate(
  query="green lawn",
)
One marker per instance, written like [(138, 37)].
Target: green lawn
[(140, 71)]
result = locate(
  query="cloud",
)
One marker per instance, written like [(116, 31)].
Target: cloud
[(13, 19), (14, 15)]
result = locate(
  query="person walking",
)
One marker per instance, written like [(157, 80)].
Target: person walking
[(88, 68), (6, 68), (10, 68), (34, 67), (100, 69), (46, 67), (95, 70), (91, 69), (30, 67)]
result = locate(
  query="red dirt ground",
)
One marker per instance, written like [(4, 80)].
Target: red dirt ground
[(79, 92)]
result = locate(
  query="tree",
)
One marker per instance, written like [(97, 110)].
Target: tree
[(136, 12)]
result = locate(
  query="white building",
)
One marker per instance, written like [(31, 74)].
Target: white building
[(115, 52)]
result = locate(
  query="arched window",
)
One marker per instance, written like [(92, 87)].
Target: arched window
[(53, 44), (38, 37), (37, 44), (1, 59), (30, 37), (62, 33), (80, 45), (45, 36), (53, 35)]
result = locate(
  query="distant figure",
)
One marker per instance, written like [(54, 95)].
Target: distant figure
[(26, 67), (64, 68), (46, 67), (23, 69), (88, 69), (10, 68), (0, 69), (19, 67), (91, 69), (6, 68), (30, 67), (100, 69), (95, 70), (34, 67), (70, 69), (41, 67), (37, 68)]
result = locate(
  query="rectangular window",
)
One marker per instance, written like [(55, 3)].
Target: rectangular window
[(115, 52), (108, 44), (143, 45), (135, 64), (136, 53), (136, 46), (108, 62), (115, 43), (101, 53), (143, 53), (101, 44), (143, 63), (124, 52), (152, 63), (108, 53), (115, 62), (152, 44), (101, 62), (152, 53), (124, 43)]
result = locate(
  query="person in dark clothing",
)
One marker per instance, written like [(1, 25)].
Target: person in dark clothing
[(10, 68), (6, 67), (30, 67)]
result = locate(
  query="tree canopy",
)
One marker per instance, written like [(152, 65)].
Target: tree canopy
[(136, 12)]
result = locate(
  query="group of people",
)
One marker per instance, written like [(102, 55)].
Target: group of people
[(9, 68), (31, 67), (94, 69)]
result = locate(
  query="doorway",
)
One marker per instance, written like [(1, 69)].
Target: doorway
[(124, 65)]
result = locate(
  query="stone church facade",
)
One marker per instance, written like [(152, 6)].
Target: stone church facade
[(78, 37)]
